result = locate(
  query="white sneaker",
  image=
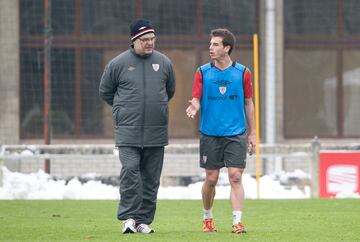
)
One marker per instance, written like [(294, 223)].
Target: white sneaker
[(129, 226), (145, 229)]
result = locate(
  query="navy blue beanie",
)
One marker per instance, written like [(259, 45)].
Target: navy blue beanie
[(140, 27)]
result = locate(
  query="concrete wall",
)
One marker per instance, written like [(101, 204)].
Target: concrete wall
[(9, 72), (175, 165)]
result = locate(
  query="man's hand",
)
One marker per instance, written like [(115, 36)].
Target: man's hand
[(251, 144), (193, 108)]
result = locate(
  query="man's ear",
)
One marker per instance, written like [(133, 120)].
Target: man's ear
[(227, 48)]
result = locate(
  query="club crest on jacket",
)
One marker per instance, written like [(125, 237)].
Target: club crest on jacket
[(155, 67)]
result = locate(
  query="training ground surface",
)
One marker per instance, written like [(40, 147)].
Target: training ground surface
[(180, 220)]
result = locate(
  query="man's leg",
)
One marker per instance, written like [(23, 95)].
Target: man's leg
[(237, 197), (208, 195), (208, 188), (237, 189), (130, 183), (150, 168)]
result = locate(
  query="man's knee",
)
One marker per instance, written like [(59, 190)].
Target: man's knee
[(130, 166), (235, 178), (130, 173), (211, 180)]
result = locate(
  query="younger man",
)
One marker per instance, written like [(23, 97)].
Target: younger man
[(222, 90)]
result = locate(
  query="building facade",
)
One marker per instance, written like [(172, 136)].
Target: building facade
[(314, 65)]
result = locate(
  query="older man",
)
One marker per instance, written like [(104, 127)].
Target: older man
[(138, 84)]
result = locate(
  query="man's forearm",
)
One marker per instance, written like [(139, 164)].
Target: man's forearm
[(250, 116)]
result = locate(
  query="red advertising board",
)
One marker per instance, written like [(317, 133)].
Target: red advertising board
[(339, 172)]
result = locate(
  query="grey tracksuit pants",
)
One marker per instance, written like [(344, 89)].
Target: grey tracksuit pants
[(139, 182)]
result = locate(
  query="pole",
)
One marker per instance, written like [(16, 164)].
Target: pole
[(257, 112), (316, 146), (47, 77), (270, 80)]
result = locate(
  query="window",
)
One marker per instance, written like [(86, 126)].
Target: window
[(32, 92), (308, 17), (238, 16), (87, 33), (111, 17), (351, 86), (325, 70), (91, 105), (310, 93), (32, 17), (352, 17), (171, 16)]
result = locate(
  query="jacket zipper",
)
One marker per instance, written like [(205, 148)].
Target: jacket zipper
[(143, 111)]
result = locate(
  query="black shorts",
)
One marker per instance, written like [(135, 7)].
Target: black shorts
[(218, 152)]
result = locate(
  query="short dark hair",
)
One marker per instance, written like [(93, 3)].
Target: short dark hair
[(228, 37)]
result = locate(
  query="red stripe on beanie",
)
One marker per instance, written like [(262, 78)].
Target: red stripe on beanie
[(142, 33)]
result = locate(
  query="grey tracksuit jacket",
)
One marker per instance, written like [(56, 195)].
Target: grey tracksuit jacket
[(139, 88)]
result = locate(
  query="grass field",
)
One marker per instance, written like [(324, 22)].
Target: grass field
[(180, 220)]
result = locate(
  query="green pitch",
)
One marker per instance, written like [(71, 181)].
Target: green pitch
[(180, 220)]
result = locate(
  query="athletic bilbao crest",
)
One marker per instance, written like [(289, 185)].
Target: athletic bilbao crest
[(222, 85), (204, 158), (222, 90), (156, 67)]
